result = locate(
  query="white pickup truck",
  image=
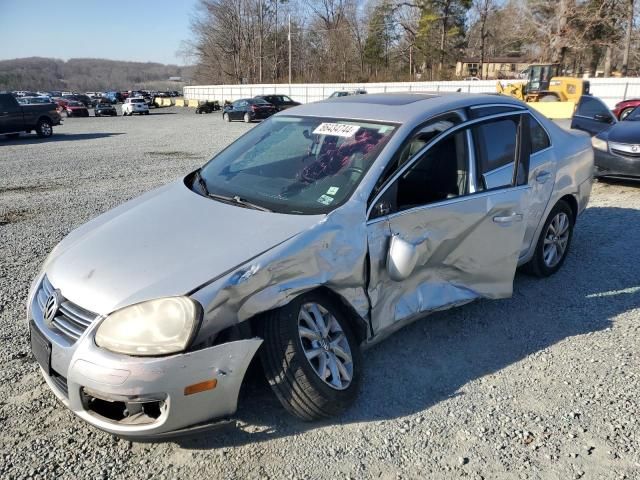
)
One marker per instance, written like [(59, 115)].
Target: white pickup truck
[(134, 105)]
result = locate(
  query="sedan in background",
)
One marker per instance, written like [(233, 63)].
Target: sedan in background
[(72, 108), (617, 148), (281, 102), (84, 99), (105, 109), (317, 233), (248, 110), (347, 93), (624, 108)]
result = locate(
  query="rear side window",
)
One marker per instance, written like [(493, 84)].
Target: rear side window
[(539, 138), (496, 144), (590, 107)]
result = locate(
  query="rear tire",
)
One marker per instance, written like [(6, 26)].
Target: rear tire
[(556, 235), (549, 98), (44, 129), (247, 118), (294, 352)]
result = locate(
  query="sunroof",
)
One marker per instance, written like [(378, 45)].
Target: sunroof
[(391, 99)]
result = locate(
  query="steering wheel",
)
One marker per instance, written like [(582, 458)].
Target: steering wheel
[(353, 170)]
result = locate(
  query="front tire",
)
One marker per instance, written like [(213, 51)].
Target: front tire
[(311, 357), (225, 117), (554, 242), (44, 129)]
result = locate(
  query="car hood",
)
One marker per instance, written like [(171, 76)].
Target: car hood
[(624, 132), (167, 242)]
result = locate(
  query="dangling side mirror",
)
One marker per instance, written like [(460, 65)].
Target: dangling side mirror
[(401, 259)]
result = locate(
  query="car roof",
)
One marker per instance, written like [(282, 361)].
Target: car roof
[(397, 107)]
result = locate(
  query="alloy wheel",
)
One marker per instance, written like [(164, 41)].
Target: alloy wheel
[(556, 239), (325, 345)]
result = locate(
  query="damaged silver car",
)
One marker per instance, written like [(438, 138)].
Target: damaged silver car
[(314, 235)]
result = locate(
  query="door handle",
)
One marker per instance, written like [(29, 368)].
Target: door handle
[(503, 220), (543, 176)]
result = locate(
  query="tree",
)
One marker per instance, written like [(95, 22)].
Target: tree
[(380, 36)]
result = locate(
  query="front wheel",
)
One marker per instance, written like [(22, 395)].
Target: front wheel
[(311, 357), (553, 245), (225, 117), (44, 129)]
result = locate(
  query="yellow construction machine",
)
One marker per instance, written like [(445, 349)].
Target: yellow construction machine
[(544, 90)]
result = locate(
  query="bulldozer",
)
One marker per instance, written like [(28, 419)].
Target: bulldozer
[(543, 85)]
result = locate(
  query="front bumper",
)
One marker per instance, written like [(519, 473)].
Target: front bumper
[(610, 165), (138, 397)]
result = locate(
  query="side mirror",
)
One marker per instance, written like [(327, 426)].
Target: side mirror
[(602, 117), (382, 209), (401, 259)]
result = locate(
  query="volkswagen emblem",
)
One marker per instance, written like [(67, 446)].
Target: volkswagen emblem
[(635, 148), (51, 307)]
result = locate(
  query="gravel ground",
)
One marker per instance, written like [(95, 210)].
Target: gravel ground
[(542, 385)]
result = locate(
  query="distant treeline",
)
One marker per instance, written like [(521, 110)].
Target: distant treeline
[(85, 74)]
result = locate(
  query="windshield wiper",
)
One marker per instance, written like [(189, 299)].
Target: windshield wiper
[(237, 200)]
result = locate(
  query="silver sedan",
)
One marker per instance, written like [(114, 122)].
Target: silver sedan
[(314, 235)]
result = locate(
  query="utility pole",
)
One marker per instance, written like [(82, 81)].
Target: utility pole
[(289, 39)]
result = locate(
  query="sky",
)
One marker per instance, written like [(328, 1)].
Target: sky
[(137, 30)]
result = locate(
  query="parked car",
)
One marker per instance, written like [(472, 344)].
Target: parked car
[(208, 107), (281, 102), (624, 108), (617, 148), (84, 99), (72, 108), (248, 110), (16, 118), (114, 97), (314, 234), (105, 109), (134, 105), (346, 93)]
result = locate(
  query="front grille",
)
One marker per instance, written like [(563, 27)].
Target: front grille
[(71, 320), (625, 149)]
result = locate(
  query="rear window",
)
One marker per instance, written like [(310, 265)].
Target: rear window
[(137, 100)]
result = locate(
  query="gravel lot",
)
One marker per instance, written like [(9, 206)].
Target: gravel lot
[(543, 385)]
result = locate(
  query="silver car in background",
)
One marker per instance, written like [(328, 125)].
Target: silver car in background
[(314, 235)]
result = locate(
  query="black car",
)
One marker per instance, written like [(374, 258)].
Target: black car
[(281, 102), (617, 148), (105, 109), (208, 107), (248, 109)]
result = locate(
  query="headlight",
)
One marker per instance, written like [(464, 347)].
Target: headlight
[(599, 144), (155, 327)]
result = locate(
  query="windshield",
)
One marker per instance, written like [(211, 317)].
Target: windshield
[(298, 165), (634, 115), (137, 100)]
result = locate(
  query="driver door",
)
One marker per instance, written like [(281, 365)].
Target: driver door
[(445, 230)]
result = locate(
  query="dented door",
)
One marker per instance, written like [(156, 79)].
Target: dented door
[(457, 250)]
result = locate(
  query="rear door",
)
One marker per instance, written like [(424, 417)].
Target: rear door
[(10, 114), (453, 231), (592, 115)]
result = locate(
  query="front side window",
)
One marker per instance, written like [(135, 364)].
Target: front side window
[(300, 165), (438, 174)]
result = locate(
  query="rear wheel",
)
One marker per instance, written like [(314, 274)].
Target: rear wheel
[(247, 118), (44, 128), (554, 241), (310, 356), (67, 113), (549, 98)]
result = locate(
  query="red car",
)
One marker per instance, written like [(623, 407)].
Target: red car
[(72, 108), (622, 109)]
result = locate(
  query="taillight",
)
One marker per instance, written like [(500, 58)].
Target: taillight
[(253, 108)]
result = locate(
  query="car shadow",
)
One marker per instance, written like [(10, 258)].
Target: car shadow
[(434, 358), (56, 137)]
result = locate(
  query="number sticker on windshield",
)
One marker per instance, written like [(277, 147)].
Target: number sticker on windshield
[(325, 200), (336, 129), (333, 190)]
